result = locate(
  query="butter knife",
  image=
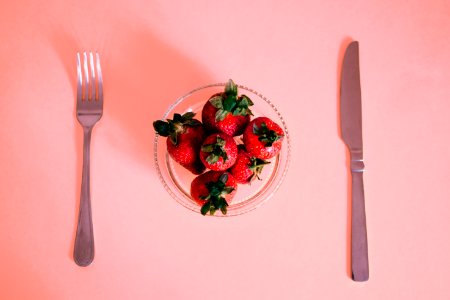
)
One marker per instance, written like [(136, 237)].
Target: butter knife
[(351, 131)]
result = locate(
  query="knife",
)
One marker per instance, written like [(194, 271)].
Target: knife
[(351, 131)]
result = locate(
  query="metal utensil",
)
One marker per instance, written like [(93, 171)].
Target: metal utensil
[(89, 111), (351, 129)]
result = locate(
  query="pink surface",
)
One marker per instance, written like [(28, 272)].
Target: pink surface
[(296, 246)]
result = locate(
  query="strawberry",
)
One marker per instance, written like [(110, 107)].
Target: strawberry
[(185, 136), (227, 112), (213, 191), (218, 152), (263, 138), (247, 168)]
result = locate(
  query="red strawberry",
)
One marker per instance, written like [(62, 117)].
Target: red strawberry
[(263, 138), (213, 191), (226, 112), (185, 139), (218, 152), (247, 168)]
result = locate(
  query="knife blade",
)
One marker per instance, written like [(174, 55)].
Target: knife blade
[(351, 131)]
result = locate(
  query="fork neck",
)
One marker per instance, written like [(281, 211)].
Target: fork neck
[(87, 131)]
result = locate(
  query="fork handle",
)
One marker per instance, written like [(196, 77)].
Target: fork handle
[(84, 240), (359, 262)]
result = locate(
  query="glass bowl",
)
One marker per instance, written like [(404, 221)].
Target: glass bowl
[(177, 180)]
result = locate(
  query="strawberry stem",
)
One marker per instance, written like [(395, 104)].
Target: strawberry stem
[(229, 102), (257, 166), (172, 128), (266, 135), (217, 151), (215, 198)]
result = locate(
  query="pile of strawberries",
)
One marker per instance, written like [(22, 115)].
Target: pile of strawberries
[(211, 144)]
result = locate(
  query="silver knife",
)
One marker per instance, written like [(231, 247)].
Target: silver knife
[(351, 130)]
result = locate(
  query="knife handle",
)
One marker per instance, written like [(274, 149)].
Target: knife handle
[(360, 261)]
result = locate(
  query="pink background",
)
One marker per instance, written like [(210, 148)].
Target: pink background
[(296, 246)]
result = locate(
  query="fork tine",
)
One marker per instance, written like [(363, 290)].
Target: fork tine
[(79, 80), (92, 73), (86, 77), (100, 79)]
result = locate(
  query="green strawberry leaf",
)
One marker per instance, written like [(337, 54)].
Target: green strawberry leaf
[(205, 197), (215, 188), (212, 210), (231, 88), (217, 150), (242, 106), (229, 103), (205, 208), (212, 159), (172, 128), (174, 138), (162, 128), (177, 118), (220, 204), (220, 141), (224, 156), (192, 122), (187, 116), (264, 127), (208, 148), (223, 209), (257, 166), (228, 189), (269, 140), (216, 101), (238, 111), (246, 101), (215, 199), (266, 135), (221, 115)]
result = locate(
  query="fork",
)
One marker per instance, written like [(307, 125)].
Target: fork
[(89, 111)]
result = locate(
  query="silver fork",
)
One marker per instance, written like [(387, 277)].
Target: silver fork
[(89, 111)]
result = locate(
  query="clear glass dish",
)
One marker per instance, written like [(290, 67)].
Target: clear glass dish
[(177, 180)]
